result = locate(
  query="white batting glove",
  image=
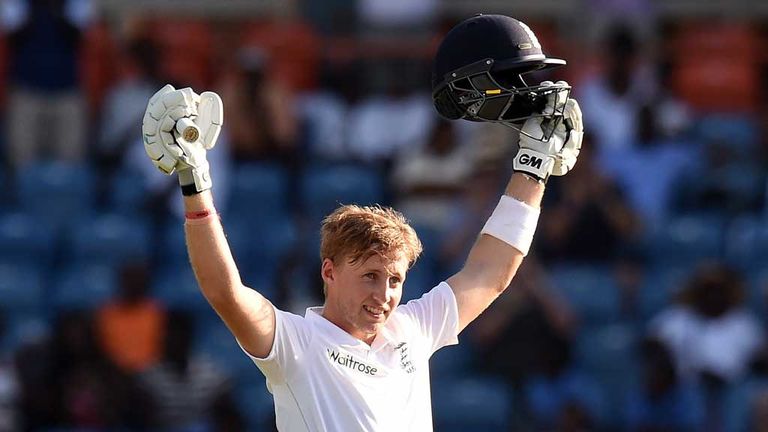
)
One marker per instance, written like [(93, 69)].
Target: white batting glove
[(169, 114), (558, 155)]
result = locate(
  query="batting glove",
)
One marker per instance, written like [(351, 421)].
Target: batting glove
[(556, 156), (179, 127)]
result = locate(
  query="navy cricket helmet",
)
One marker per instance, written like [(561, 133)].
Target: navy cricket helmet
[(478, 73)]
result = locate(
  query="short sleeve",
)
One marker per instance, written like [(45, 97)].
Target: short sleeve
[(435, 316), (292, 337)]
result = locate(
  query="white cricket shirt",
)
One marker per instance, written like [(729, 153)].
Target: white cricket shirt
[(323, 379)]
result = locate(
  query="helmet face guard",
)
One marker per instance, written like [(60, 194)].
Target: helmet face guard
[(476, 93)]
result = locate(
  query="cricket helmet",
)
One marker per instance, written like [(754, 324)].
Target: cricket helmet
[(478, 73)]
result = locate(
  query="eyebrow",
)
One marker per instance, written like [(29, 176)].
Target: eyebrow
[(377, 271)]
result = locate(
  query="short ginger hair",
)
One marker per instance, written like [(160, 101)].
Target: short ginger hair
[(356, 233)]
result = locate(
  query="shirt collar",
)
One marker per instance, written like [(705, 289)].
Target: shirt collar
[(384, 338)]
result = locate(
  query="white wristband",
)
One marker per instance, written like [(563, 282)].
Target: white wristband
[(514, 223)]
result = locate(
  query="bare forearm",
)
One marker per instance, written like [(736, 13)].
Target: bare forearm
[(492, 263), (493, 259), (209, 252), (525, 189)]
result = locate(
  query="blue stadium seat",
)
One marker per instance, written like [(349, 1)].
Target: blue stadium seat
[(421, 278), (176, 287), (471, 404), (128, 193), (591, 290), (431, 240), (23, 239), (739, 131), (685, 240), (174, 244), (21, 287), (739, 404), (84, 286), (757, 291), (324, 188), (109, 239), (259, 191), (56, 192), (256, 404), (659, 288), (21, 329), (609, 354), (452, 361), (746, 242), (260, 249), (214, 339)]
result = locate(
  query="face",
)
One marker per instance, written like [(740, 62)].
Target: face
[(360, 297)]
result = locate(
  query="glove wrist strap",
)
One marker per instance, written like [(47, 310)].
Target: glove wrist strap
[(195, 180), (535, 164)]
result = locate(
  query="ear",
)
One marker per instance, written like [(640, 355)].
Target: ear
[(327, 271)]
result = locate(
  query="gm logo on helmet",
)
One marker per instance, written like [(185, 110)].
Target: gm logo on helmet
[(532, 161)]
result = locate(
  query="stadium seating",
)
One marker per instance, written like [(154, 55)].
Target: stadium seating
[(20, 329), (420, 279), (21, 287), (741, 132), (591, 290), (739, 403), (687, 239), (83, 286), (658, 288), (56, 193), (260, 191), (176, 287), (452, 361), (757, 292), (214, 339), (23, 239), (471, 403), (109, 239), (127, 193), (608, 353), (746, 245), (255, 401), (325, 187)]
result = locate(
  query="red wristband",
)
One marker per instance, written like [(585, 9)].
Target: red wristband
[(200, 214)]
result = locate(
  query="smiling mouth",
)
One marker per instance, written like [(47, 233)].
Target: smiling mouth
[(377, 313)]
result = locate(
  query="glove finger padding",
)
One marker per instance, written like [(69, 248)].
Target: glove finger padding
[(164, 109), (155, 141), (210, 118), (573, 123)]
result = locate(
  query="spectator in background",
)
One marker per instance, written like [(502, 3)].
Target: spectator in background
[(324, 112), (429, 178), (185, 391), (712, 337), (615, 94), (126, 101), (663, 402), (46, 108), (708, 331), (669, 155), (261, 122), (383, 125), (559, 396), (130, 327), (587, 220), (67, 382), (523, 327)]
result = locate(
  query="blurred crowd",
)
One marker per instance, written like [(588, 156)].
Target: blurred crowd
[(642, 307)]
